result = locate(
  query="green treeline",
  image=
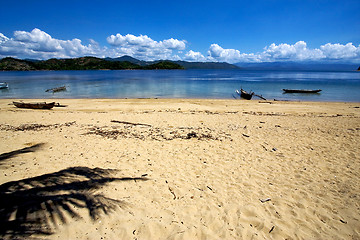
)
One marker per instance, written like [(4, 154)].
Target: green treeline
[(83, 63)]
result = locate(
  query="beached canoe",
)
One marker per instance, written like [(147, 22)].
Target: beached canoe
[(245, 95), (301, 91), (4, 85), (41, 105)]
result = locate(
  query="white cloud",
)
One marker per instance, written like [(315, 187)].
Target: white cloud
[(145, 42), (339, 51), (39, 44), (221, 54), (287, 52), (174, 44), (144, 47), (194, 56), (295, 52), (217, 53), (3, 38)]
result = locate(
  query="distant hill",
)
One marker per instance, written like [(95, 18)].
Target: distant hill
[(13, 64), (186, 65), (83, 63), (93, 63), (310, 66), (128, 59), (206, 65)]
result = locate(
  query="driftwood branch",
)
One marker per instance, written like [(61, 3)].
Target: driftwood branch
[(130, 123), (172, 192), (260, 96)]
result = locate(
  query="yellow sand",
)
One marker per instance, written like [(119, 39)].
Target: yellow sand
[(208, 163)]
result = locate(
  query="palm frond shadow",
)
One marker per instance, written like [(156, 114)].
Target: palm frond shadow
[(12, 154), (37, 205)]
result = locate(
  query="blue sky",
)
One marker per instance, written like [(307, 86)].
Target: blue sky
[(231, 31)]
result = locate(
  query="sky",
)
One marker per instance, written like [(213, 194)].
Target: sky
[(220, 31)]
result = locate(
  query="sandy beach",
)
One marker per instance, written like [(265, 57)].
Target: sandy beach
[(180, 169)]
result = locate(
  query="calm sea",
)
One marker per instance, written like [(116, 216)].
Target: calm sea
[(217, 84)]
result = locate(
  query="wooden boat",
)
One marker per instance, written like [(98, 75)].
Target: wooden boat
[(58, 89), (41, 105), (4, 85), (301, 91), (244, 94)]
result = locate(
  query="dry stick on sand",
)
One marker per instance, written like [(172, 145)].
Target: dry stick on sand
[(170, 189), (135, 124)]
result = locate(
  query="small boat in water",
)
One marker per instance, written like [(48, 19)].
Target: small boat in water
[(4, 85), (301, 91), (41, 105), (58, 89)]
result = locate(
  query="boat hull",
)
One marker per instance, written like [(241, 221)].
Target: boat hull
[(34, 105), (58, 89), (4, 85), (301, 91), (245, 95)]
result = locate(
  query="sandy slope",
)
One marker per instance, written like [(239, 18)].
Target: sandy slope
[(204, 167)]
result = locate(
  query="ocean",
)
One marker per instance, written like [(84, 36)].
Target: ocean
[(209, 84)]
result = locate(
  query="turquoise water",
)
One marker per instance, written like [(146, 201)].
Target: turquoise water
[(217, 84)]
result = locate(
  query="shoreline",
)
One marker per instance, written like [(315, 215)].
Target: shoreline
[(180, 99), (183, 168)]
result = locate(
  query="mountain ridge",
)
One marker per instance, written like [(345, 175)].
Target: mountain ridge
[(93, 63), (82, 63), (185, 64)]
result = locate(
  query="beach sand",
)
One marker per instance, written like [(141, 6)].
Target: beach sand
[(180, 169)]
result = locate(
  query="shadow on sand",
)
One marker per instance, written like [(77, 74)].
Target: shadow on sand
[(12, 154), (35, 206)]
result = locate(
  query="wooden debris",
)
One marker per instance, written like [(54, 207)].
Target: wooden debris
[(130, 123), (159, 134), (264, 147), (272, 229), (34, 127), (265, 200), (260, 96), (210, 189), (59, 105), (172, 192)]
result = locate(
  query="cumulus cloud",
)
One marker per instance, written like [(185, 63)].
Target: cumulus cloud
[(288, 52), (40, 45), (217, 53), (3, 38), (338, 51), (144, 47), (295, 52), (193, 56)]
